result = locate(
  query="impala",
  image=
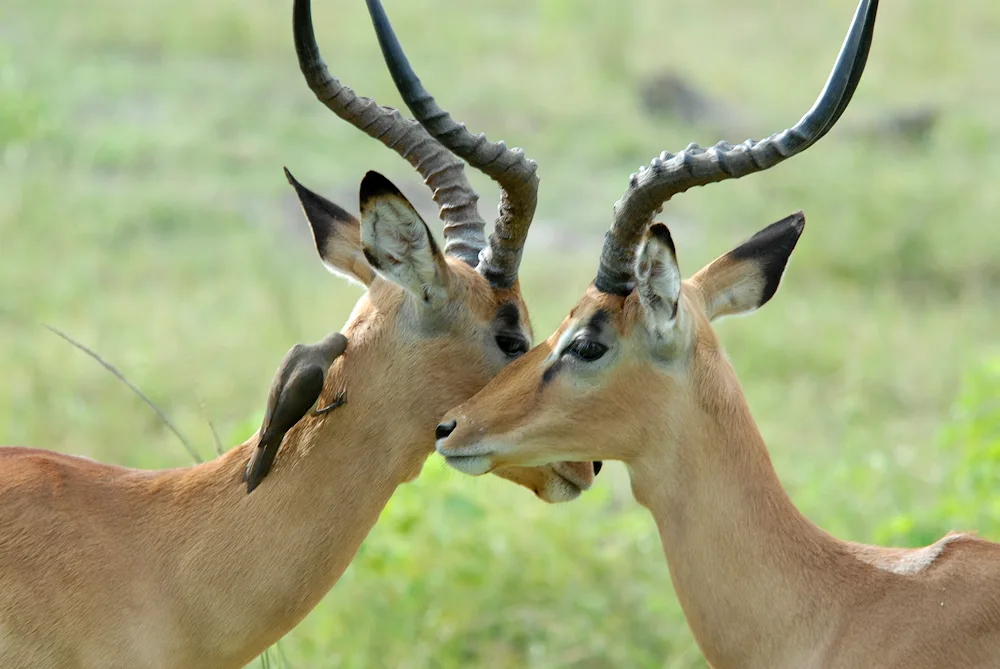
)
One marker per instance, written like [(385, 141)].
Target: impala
[(636, 373), (103, 567)]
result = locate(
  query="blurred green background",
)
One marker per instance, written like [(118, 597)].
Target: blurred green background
[(143, 210)]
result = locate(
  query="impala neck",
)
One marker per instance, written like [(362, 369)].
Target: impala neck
[(759, 584), (264, 560)]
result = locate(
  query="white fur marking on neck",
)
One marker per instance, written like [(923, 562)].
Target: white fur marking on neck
[(917, 560)]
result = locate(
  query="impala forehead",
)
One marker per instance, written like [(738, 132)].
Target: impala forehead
[(509, 315), (510, 318), (503, 306)]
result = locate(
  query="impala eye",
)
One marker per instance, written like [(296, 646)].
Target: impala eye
[(587, 350), (512, 345)]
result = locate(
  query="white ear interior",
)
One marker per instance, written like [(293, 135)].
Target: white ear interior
[(400, 247), (658, 280)]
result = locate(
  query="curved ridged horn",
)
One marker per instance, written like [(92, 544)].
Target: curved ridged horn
[(670, 174), (513, 172), (444, 173)]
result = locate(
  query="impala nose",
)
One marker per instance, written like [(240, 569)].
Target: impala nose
[(597, 463), (444, 429)]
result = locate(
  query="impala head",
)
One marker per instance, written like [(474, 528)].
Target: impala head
[(637, 357), (434, 324)]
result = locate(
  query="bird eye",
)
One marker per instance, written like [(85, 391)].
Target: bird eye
[(587, 350), (512, 345)]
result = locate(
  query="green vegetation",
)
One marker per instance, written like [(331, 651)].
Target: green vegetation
[(143, 211)]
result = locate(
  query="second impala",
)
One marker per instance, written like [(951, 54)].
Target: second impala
[(636, 373)]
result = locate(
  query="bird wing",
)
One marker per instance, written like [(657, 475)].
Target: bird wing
[(297, 396), (280, 381)]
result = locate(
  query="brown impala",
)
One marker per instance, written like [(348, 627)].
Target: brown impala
[(103, 567), (636, 373)]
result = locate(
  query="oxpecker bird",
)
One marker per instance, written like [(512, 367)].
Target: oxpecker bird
[(296, 386)]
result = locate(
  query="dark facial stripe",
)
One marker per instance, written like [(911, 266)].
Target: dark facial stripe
[(551, 373), (598, 321), (509, 315)]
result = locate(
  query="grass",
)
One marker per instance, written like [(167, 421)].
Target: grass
[(143, 211)]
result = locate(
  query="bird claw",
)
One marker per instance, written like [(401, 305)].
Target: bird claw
[(339, 400)]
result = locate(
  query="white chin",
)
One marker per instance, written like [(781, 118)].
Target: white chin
[(558, 489), (567, 471), (473, 465)]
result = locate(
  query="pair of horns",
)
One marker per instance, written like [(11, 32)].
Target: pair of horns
[(436, 146)]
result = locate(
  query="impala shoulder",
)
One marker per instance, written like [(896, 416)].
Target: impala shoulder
[(32, 470), (912, 561)]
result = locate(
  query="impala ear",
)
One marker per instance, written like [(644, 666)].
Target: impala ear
[(337, 235), (397, 242), (747, 277), (658, 279)]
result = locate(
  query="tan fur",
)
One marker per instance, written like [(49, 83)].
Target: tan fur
[(726, 284), (343, 255), (103, 567), (761, 586)]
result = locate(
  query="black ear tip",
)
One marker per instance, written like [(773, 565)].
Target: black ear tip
[(322, 214), (788, 228), (661, 233), (797, 221), (374, 184), (659, 230)]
